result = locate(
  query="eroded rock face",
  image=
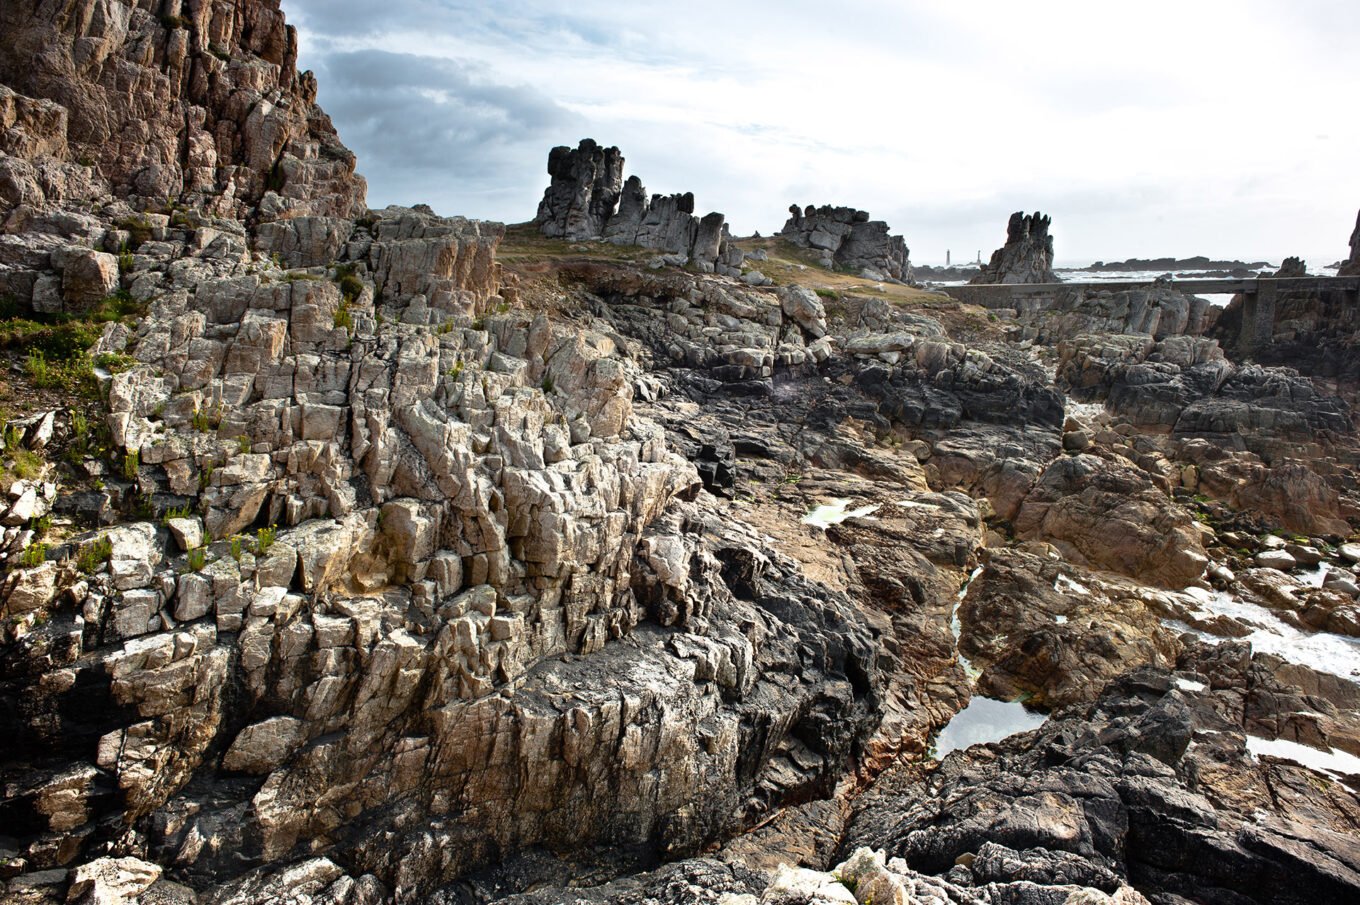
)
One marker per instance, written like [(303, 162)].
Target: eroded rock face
[(198, 102), (847, 238), (587, 199), (1027, 256), (1109, 514), (1351, 266)]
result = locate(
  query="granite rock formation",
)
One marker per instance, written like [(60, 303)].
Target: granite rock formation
[(588, 199), (848, 239), (199, 103), (346, 557), (1027, 256)]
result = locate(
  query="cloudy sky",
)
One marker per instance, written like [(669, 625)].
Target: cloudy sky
[(1219, 127)]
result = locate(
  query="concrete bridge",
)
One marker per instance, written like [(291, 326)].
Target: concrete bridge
[(1258, 308)]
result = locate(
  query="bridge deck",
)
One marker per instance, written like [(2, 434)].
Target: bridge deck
[(1191, 287)]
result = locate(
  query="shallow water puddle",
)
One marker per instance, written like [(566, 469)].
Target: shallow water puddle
[(985, 720), (1323, 651), (1332, 761), (836, 512)]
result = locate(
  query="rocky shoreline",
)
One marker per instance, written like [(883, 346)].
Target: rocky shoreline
[(363, 556)]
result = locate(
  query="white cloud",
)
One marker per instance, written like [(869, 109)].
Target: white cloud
[(1161, 128)]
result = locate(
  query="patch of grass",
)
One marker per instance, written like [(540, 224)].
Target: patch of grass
[(176, 512), (132, 464), (243, 444), (548, 384), (34, 554), (205, 476), (115, 362), (237, 550), (94, 554), (40, 525), (125, 260), (196, 559), (25, 464), (173, 22)]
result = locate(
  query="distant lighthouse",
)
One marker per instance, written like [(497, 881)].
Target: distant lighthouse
[(946, 257)]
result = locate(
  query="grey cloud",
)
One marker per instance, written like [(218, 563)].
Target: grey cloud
[(419, 124)]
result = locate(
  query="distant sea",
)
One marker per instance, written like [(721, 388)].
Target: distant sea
[(1124, 276)]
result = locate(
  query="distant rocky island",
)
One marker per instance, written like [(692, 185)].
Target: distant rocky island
[(355, 556), (1197, 263)]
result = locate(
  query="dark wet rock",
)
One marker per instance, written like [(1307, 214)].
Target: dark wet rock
[(1117, 790), (1071, 636)]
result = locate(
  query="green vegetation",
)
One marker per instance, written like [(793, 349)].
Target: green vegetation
[(548, 385), (197, 558), (132, 464), (264, 539), (351, 287), (237, 550), (243, 444), (55, 347), (34, 554), (342, 316), (93, 555), (139, 229), (40, 525)]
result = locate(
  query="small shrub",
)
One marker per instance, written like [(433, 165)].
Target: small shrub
[(132, 464), (94, 554), (173, 22), (351, 287), (830, 294), (40, 525), (176, 512), (243, 444), (205, 477), (236, 549), (197, 558), (548, 384), (125, 260), (264, 539), (34, 554), (342, 316)]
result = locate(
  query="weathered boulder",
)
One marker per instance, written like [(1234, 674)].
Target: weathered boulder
[(847, 238)]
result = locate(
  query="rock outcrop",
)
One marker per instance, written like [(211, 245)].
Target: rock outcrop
[(588, 199), (848, 239), (198, 103), (352, 559), (1351, 266), (1027, 256)]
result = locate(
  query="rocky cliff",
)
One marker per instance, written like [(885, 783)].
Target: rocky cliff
[(1027, 256), (588, 199), (192, 102), (367, 557), (847, 238)]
